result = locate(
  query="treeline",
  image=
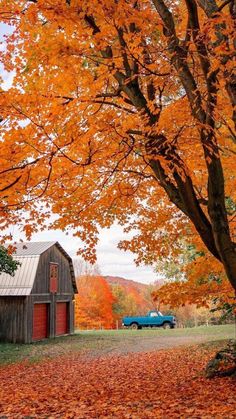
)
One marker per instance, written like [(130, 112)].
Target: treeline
[(101, 304)]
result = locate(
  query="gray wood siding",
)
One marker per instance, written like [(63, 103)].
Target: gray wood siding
[(41, 284), (13, 319)]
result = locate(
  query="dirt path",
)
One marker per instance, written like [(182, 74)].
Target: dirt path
[(149, 344), (98, 346), (128, 345)]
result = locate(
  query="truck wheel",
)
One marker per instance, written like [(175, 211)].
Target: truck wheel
[(134, 326), (166, 325)]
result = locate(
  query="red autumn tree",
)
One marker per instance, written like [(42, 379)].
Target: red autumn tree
[(93, 303)]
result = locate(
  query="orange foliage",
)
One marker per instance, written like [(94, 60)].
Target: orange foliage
[(204, 282), (122, 110), (93, 303), (148, 385), (100, 301)]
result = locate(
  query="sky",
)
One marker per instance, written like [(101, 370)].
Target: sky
[(110, 259)]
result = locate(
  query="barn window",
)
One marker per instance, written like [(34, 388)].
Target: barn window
[(53, 277)]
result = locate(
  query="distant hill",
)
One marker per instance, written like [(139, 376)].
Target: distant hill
[(127, 283)]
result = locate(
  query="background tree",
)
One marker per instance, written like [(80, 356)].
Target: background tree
[(127, 302), (192, 278), (82, 267), (128, 111), (93, 303)]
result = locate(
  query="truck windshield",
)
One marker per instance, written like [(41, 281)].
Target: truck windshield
[(160, 314)]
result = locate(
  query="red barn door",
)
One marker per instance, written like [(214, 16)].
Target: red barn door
[(61, 319), (40, 321)]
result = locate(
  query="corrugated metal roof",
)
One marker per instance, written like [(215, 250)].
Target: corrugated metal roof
[(28, 254), (22, 282), (32, 248)]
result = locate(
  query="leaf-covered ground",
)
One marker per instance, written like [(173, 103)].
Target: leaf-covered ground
[(161, 384)]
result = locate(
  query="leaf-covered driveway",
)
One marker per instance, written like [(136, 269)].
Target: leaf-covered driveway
[(164, 384)]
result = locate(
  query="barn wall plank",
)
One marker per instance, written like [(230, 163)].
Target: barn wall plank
[(12, 311)]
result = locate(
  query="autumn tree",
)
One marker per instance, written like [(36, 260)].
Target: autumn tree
[(123, 110), (190, 315), (93, 303), (127, 301), (119, 306), (192, 278)]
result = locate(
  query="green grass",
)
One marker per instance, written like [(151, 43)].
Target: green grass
[(10, 353), (104, 341), (51, 348), (227, 331)]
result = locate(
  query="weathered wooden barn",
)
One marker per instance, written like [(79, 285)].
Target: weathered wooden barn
[(38, 302)]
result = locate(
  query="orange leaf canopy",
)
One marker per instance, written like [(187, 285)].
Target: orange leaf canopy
[(99, 123)]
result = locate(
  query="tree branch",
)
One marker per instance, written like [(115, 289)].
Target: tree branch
[(11, 184), (178, 58), (195, 29)]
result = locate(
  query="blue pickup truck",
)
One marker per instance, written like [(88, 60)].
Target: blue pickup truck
[(152, 319)]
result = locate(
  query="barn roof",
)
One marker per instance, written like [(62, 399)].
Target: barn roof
[(28, 254), (33, 248)]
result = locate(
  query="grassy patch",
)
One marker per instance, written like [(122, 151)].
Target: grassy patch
[(219, 332), (102, 342), (52, 348), (10, 353)]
